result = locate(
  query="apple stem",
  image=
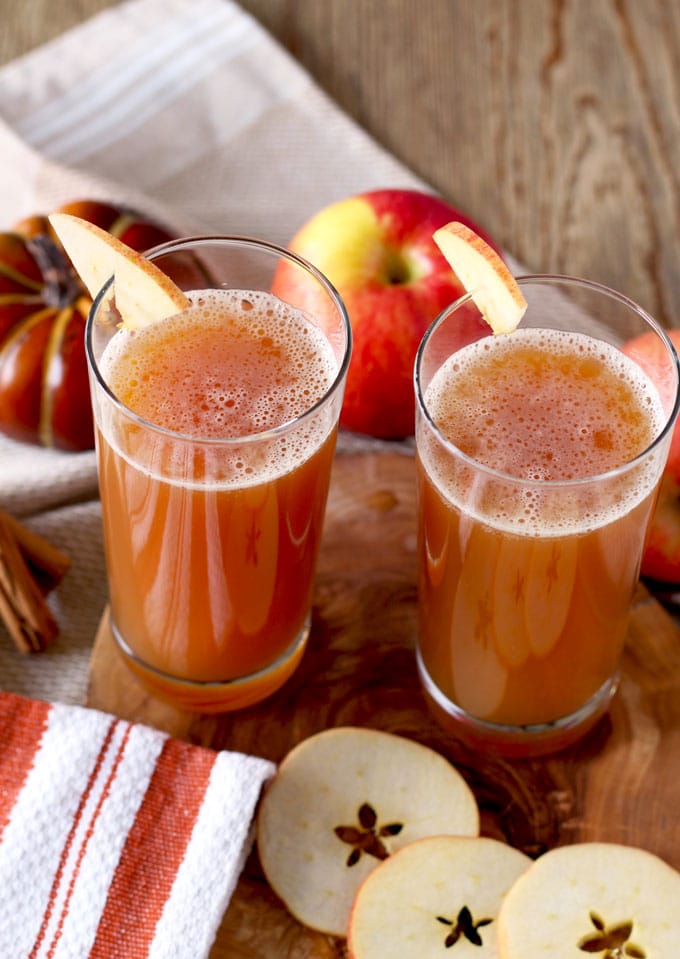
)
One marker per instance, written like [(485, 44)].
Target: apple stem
[(397, 271)]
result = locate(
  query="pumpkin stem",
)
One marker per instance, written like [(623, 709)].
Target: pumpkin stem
[(61, 283)]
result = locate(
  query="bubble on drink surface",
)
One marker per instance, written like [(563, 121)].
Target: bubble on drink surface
[(495, 401), (234, 364)]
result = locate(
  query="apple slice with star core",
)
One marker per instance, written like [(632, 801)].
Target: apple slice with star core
[(484, 275), (341, 803), (435, 894), (595, 898), (143, 293)]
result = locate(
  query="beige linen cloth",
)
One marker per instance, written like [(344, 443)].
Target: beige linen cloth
[(189, 110)]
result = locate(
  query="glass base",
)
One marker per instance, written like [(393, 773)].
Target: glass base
[(215, 696), (520, 742)]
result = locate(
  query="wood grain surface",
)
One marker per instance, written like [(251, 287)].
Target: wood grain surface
[(553, 122), (620, 784)]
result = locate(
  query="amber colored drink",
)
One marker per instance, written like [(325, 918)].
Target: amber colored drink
[(212, 522), (527, 564)]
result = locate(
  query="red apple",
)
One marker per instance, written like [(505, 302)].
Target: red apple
[(661, 559), (377, 249)]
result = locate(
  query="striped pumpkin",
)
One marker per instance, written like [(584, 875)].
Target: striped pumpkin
[(44, 396)]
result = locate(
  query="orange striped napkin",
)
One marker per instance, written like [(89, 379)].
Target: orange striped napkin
[(115, 839)]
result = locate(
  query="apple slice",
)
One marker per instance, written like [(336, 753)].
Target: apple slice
[(342, 802), (601, 899), (479, 675), (143, 293), (432, 895), (549, 587), (484, 275)]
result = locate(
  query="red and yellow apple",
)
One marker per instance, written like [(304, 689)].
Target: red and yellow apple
[(661, 559), (377, 249)]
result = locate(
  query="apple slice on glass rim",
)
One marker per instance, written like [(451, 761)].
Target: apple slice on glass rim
[(143, 293), (484, 275)]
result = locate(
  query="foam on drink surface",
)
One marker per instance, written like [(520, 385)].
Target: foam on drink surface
[(545, 405), (232, 365)]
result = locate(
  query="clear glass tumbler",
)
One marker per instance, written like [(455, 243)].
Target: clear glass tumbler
[(215, 435), (539, 455)]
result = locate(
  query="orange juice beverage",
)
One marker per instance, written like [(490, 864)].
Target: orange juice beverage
[(215, 437), (539, 456)]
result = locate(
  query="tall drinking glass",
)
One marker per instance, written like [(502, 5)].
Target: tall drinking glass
[(539, 456), (215, 434)]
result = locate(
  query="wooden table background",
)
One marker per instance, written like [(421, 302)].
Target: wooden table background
[(555, 123)]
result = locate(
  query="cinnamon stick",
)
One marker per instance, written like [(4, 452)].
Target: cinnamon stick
[(47, 563), (23, 606)]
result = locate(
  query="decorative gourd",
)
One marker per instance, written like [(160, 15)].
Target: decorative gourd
[(44, 395)]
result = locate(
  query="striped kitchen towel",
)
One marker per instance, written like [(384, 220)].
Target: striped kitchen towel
[(115, 839)]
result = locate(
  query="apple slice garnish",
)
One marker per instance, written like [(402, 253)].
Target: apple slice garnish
[(343, 801), (433, 895), (143, 293), (594, 898), (549, 587), (479, 675), (484, 275)]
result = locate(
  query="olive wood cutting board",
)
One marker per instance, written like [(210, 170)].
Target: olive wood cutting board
[(620, 784)]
